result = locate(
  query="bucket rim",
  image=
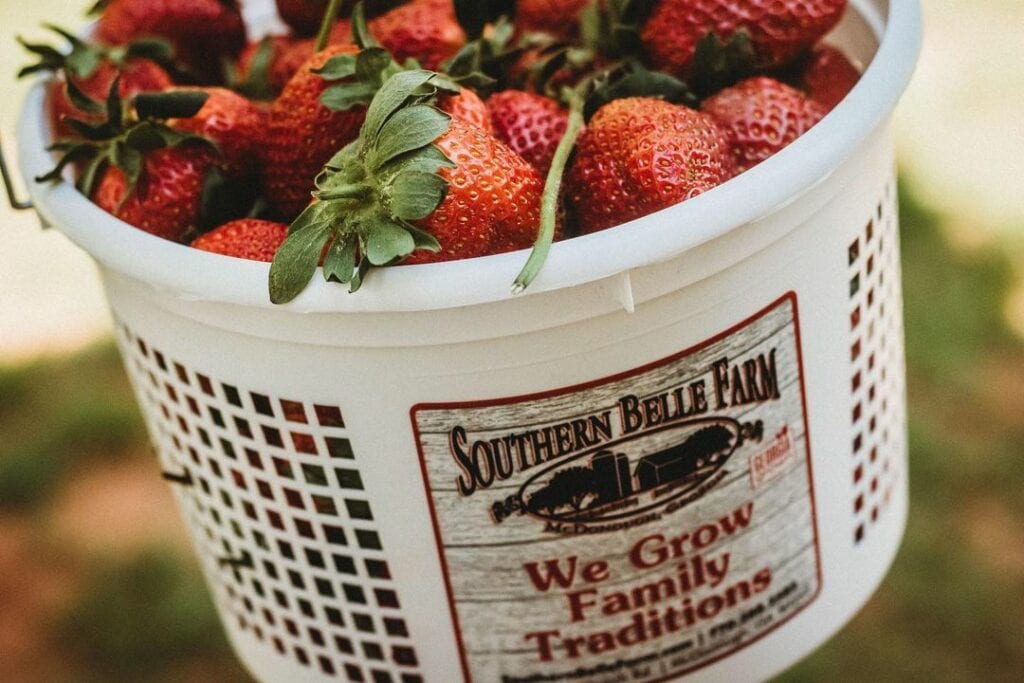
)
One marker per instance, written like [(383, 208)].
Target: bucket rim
[(193, 275)]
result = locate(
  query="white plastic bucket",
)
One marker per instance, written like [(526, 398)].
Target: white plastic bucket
[(682, 452)]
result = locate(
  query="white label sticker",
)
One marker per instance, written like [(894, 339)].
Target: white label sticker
[(633, 528)]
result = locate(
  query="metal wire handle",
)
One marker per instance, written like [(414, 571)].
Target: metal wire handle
[(12, 198)]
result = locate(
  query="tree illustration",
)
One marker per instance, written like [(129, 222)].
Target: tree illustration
[(708, 441), (570, 487)]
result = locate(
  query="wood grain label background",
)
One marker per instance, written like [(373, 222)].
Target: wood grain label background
[(633, 528)]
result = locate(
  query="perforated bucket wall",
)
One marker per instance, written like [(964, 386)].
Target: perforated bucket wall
[(272, 491)]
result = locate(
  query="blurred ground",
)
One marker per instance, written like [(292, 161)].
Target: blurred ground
[(97, 584)]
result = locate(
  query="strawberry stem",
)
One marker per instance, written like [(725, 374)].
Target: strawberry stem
[(356, 191), (549, 200), (330, 16)]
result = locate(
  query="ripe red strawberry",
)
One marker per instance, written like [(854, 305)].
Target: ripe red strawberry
[(203, 32), (415, 179), (92, 69), (165, 181), (425, 30), (166, 199), (302, 134), (468, 107), (559, 18), (829, 76), (762, 116), (640, 155), (234, 123), (493, 200), (246, 238), (532, 125), (779, 29)]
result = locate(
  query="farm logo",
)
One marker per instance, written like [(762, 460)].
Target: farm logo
[(631, 481)]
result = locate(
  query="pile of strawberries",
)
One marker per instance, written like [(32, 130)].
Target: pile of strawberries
[(421, 131)]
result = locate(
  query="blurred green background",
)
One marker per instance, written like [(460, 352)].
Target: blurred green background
[(96, 578)]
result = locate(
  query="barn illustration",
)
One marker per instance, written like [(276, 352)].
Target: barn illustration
[(607, 477)]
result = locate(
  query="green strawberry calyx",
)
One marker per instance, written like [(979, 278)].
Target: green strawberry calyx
[(81, 59), (359, 77), (369, 195), (125, 135)]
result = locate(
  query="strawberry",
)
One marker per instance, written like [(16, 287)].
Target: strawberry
[(762, 116), (415, 179), (559, 18), (640, 155), (246, 238), (829, 76), (425, 30), (328, 96), (91, 69), (493, 200), (203, 32), (532, 125), (302, 134), (234, 123), (466, 106), (165, 181), (779, 30), (165, 200)]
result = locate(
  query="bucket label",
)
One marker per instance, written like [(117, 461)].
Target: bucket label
[(633, 528)]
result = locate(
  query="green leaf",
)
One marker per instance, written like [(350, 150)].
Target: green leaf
[(348, 95), (130, 161), (371, 64), (429, 159), (357, 278), (145, 137), (97, 8), (257, 85), (73, 152), (115, 108), (90, 176), (297, 260), (387, 241), (82, 101), (173, 104), (392, 95), (224, 199), (344, 156), (338, 67), (340, 262), (83, 63), (34, 68), (45, 52), (157, 50), (719, 63), (423, 239), (97, 133), (415, 195), (409, 129), (642, 83)]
